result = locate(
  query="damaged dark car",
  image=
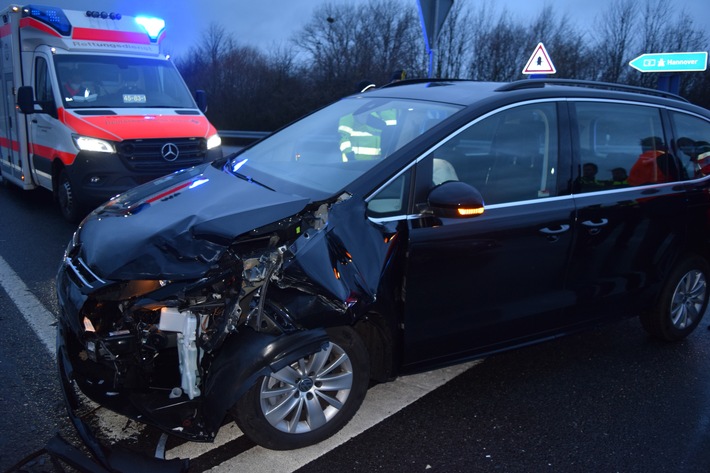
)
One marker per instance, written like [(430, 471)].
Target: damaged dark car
[(409, 227)]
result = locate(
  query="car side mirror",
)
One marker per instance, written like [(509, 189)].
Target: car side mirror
[(201, 99), (455, 199), (26, 99)]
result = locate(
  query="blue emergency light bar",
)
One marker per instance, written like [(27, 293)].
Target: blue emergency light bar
[(152, 25), (53, 17), (57, 20)]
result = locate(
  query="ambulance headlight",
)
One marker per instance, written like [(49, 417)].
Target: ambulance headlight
[(86, 143), (213, 141)]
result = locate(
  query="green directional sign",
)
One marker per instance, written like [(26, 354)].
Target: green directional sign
[(671, 62)]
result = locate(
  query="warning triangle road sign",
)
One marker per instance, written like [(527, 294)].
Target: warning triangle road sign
[(539, 62)]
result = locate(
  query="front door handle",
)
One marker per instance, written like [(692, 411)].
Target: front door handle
[(555, 231)]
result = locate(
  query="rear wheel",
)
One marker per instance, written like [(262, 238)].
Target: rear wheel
[(66, 198), (310, 399), (681, 302)]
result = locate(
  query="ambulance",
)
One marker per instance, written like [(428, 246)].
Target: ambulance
[(90, 106)]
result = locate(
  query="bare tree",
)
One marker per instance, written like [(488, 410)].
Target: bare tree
[(346, 44), (387, 39), (453, 54), (227, 72), (499, 47), (616, 31)]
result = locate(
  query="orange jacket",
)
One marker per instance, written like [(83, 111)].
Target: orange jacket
[(646, 170)]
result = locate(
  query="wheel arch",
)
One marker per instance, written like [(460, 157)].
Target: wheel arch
[(383, 346), (243, 358), (676, 309)]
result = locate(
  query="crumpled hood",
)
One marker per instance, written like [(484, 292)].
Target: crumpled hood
[(177, 226)]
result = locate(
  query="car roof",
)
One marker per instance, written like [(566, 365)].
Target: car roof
[(458, 92), (468, 92)]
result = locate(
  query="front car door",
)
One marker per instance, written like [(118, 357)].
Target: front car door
[(45, 131), (476, 285)]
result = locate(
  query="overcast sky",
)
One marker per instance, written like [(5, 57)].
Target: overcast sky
[(269, 23)]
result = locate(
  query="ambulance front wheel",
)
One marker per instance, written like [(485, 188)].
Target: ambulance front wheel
[(66, 198)]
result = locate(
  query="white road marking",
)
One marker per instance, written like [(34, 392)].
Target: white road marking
[(42, 321), (381, 402)]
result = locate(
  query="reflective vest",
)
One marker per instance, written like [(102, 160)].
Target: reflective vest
[(361, 141), (358, 140)]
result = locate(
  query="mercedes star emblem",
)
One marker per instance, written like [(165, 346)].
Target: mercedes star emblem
[(170, 151)]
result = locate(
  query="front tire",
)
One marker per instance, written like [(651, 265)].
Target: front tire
[(309, 400), (67, 199), (681, 302)]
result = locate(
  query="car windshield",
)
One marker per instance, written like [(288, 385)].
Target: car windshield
[(325, 151), (94, 81)]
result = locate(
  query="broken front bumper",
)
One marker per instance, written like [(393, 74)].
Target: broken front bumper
[(244, 358), (113, 459)]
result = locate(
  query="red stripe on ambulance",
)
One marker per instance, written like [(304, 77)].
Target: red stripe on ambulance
[(91, 34), (32, 23)]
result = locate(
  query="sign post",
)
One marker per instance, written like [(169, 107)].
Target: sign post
[(432, 14)]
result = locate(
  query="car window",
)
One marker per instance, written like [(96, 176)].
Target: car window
[(43, 86), (622, 145), (327, 150), (693, 143), (117, 81), (509, 156), (391, 200)]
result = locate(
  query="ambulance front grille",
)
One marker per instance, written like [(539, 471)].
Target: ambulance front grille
[(162, 155)]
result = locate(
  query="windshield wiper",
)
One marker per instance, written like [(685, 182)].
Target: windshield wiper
[(249, 179), (233, 168)]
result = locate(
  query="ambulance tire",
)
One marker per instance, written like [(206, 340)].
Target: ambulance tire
[(66, 199)]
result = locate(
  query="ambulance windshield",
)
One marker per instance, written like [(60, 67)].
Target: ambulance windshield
[(92, 81)]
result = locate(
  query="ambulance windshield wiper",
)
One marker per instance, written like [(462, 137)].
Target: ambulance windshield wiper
[(234, 166)]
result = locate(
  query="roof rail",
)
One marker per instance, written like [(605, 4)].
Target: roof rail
[(422, 80), (533, 83)]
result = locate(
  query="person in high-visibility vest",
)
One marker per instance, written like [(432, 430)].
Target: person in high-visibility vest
[(361, 137), (359, 141)]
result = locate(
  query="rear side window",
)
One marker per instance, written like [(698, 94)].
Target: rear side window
[(622, 145), (693, 143)]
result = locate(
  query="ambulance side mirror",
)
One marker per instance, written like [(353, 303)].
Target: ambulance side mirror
[(201, 99), (28, 105), (26, 99)]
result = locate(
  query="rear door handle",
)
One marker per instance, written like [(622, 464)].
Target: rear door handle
[(595, 223)]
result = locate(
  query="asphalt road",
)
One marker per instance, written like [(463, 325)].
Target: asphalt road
[(608, 400)]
